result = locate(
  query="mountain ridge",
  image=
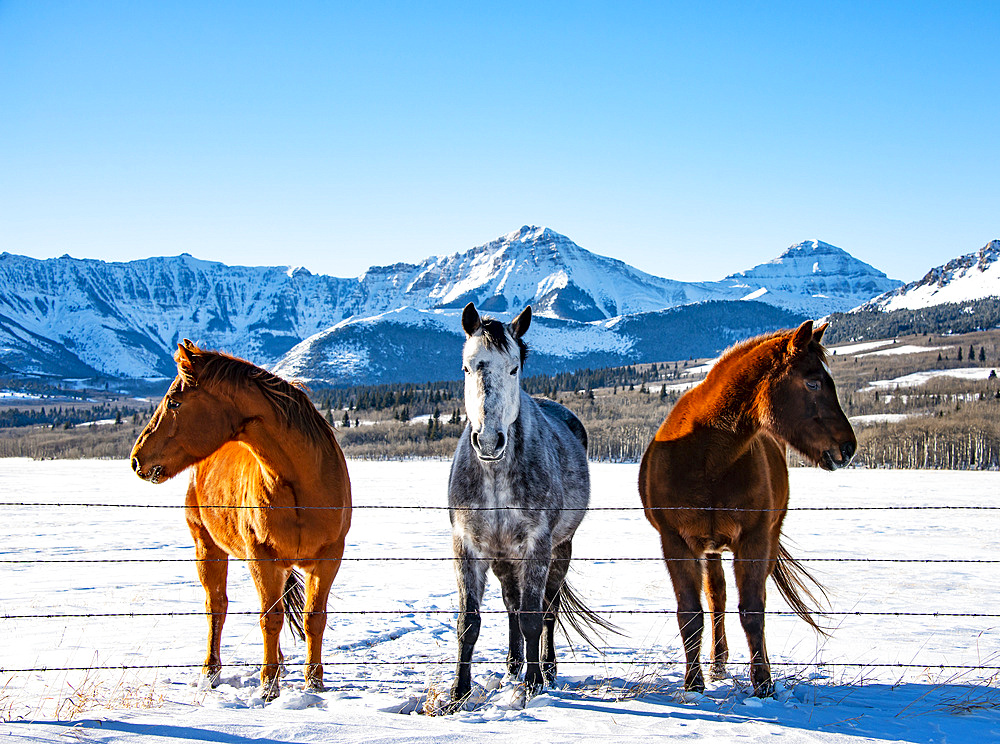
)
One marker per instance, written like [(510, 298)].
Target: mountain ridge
[(73, 317)]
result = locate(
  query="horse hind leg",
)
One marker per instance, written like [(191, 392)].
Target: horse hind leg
[(319, 580), (686, 576), (534, 577), (558, 569), (269, 578), (507, 575), (752, 565), (715, 592)]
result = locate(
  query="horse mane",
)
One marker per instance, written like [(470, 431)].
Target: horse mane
[(495, 335), (739, 351), (288, 400)]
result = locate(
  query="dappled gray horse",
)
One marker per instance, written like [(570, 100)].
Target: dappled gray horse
[(519, 487)]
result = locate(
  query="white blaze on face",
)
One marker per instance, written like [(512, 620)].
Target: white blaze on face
[(492, 393)]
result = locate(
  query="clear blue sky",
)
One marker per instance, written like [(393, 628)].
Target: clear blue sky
[(690, 140)]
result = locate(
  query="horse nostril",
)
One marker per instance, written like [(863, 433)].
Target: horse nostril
[(500, 441), (135, 464), (847, 449), (475, 439)]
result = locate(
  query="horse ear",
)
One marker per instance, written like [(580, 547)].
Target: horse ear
[(801, 338), (190, 344), (470, 319), (519, 326), (818, 333), (185, 361)]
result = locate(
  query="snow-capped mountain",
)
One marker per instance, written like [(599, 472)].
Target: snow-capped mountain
[(76, 318), (974, 276), (812, 277)]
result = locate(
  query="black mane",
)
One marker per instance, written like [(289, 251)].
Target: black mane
[(495, 335)]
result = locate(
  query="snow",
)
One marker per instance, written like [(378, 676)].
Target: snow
[(15, 395), (919, 378), (381, 666), (906, 349), (756, 294), (973, 276), (879, 418), (857, 348)]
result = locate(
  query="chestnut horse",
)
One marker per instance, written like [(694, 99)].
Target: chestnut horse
[(715, 478), (269, 486)]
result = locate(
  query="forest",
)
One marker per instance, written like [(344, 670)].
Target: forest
[(927, 422)]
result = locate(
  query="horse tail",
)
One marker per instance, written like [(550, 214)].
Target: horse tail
[(295, 604), (791, 577), (573, 613)]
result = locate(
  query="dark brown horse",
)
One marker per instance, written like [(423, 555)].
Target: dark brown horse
[(714, 478), (269, 486)]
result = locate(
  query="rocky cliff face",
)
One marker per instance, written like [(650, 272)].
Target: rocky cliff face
[(68, 317)]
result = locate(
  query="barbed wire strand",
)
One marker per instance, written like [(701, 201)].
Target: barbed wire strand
[(435, 507), (439, 662), (668, 611), (375, 559)]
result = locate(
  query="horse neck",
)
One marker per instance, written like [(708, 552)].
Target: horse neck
[(282, 452), (729, 400)]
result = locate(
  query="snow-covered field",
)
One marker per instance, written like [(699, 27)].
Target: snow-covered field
[(382, 666)]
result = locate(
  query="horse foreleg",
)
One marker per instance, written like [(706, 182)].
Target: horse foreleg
[(715, 591), (319, 579), (511, 590), (686, 576), (471, 574), (751, 565), (534, 575), (269, 577), (558, 569), (213, 570)]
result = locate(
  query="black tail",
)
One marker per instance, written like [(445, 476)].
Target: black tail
[(791, 577), (573, 613), (295, 604)]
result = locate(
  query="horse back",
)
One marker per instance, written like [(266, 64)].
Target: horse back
[(558, 412)]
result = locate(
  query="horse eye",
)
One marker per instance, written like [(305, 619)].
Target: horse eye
[(465, 369), (513, 371), (173, 404), (812, 384)]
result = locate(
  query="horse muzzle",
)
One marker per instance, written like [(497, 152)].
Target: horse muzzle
[(829, 461), (153, 475), (489, 449)]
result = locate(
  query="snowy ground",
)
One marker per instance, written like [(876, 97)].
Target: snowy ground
[(382, 666)]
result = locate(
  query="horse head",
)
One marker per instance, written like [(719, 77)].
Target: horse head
[(190, 423), (801, 405), (492, 359)]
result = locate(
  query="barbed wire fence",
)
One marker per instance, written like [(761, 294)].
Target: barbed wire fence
[(639, 657)]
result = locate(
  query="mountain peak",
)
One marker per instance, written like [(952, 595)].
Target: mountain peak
[(970, 277), (811, 248)]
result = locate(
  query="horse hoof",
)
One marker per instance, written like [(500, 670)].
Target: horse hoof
[(459, 697), (211, 676), (315, 686), (718, 672), (695, 683), (269, 690)]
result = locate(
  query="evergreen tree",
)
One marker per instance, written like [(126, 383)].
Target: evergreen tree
[(346, 422)]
